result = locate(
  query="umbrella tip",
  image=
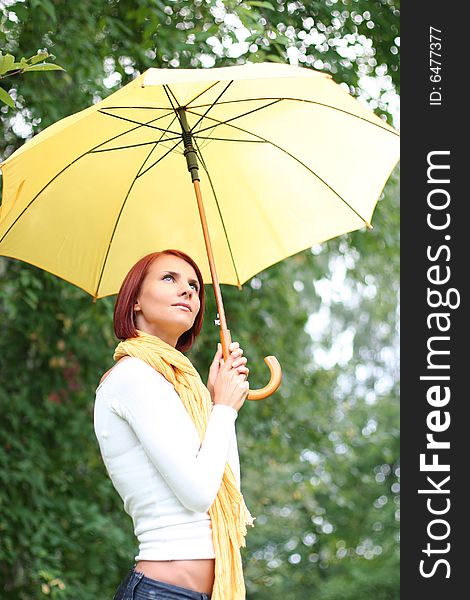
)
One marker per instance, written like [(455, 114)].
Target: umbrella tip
[(368, 225), (94, 300)]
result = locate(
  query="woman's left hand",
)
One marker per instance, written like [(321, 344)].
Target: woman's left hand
[(239, 364)]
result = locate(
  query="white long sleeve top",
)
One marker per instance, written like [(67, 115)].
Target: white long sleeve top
[(166, 477)]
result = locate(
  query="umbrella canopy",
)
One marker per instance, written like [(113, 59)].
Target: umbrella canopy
[(287, 159)]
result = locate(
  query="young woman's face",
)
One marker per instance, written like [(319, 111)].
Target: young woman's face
[(170, 283)]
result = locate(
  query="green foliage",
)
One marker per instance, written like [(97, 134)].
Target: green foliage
[(320, 458), (57, 508), (9, 67)]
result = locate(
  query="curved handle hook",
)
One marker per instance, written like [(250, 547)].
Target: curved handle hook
[(271, 361), (274, 382)]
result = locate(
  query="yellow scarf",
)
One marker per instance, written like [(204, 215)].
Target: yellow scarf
[(229, 514)]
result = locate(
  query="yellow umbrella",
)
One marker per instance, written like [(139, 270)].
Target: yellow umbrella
[(289, 160)]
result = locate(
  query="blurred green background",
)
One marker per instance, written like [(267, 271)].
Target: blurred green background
[(320, 458)]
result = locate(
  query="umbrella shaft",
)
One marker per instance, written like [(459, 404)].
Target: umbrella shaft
[(191, 160), (189, 152), (210, 256)]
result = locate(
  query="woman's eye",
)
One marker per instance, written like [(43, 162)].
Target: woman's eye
[(195, 285)]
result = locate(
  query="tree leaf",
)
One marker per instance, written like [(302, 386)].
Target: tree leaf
[(275, 58), (260, 4), (49, 9), (8, 60), (6, 98), (45, 67), (38, 58), (23, 63)]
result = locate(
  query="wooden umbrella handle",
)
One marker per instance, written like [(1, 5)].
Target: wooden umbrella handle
[(271, 361), (274, 382)]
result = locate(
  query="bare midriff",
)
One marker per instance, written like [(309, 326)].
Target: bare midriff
[(197, 575)]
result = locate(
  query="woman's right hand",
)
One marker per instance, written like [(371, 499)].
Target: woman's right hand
[(230, 386)]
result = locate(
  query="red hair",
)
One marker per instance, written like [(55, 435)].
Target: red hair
[(124, 318)]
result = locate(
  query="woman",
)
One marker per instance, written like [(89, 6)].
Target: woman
[(168, 442)]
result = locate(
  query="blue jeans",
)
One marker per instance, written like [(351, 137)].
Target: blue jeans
[(136, 586)]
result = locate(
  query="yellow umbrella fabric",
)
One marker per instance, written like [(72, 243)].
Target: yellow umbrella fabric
[(287, 159)]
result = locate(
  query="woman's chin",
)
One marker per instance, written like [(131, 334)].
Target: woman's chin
[(184, 325)]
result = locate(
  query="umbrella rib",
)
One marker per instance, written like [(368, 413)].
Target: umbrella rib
[(276, 101), (40, 192), (167, 92), (208, 139), (295, 158), (157, 161), (301, 100), (139, 173), (93, 150), (138, 107), (233, 118), (217, 139), (207, 172), (203, 162), (138, 123), (167, 89), (133, 145), (95, 295), (212, 105), (197, 134), (167, 113), (203, 92), (258, 99)]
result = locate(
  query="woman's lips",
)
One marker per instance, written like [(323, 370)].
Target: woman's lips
[(180, 306)]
